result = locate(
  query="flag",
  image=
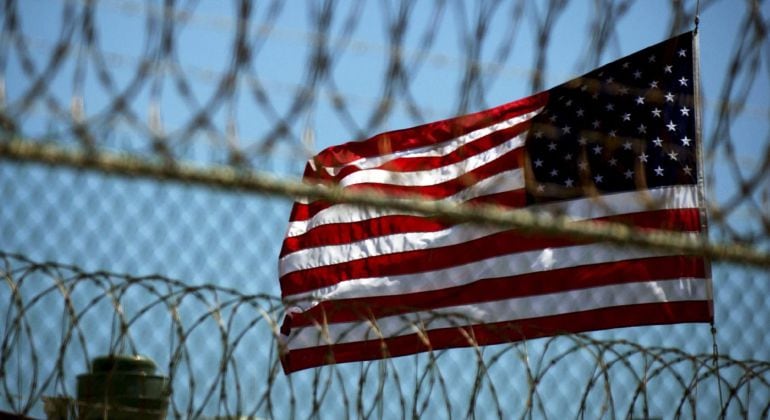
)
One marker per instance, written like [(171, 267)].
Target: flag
[(618, 144)]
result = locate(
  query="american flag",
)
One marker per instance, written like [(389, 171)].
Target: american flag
[(617, 144)]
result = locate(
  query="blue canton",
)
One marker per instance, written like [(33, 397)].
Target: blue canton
[(625, 126)]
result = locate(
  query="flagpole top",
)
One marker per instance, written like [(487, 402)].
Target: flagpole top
[(697, 15)]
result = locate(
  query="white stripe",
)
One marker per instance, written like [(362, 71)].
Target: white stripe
[(433, 176), (347, 213), (510, 180), (581, 209), (677, 196), (383, 245), (461, 275), (500, 182), (676, 290), (434, 150)]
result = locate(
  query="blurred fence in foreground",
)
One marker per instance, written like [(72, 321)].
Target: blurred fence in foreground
[(257, 87)]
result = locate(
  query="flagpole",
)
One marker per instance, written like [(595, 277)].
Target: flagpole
[(698, 105), (701, 187)]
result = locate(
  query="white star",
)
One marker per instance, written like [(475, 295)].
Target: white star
[(613, 162), (552, 118), (554, 172), (538, 163), (538, 134), (687, 169), (551, 146), (673, 155), (583, 165), (568, 103), (629, 173), (568, 156), (540, 188), (637, 74), (642, 129), (579, 112), (597, 149), (658, 142), (613, 133), (685, 111), (651, 59), (627, 117), (566, 129), (669, 97), (625, 65), (686, 140), (598, 179), (569, 182), (668, 68), (656, 112), (623, 90), (595, 124), (627, 145), (683, 81), (582, 141), (659, 171), (682, 53), (610, 80), (610, 107), (654, 84), (671, 126), (643, 157), (640, 100)]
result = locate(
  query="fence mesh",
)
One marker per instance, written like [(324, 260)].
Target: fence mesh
[(254, 88)]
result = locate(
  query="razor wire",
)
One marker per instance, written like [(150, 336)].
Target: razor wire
[(117, 311), (210, 129)]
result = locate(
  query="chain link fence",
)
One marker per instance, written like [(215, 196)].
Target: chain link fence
[(146, 157)]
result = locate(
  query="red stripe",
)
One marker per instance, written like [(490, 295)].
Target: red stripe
[(341, 233), (502, 332), (506, 162), (411, 164), (299, 211), (427, 134), (510, 199), (486, 290), (503, 243)]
